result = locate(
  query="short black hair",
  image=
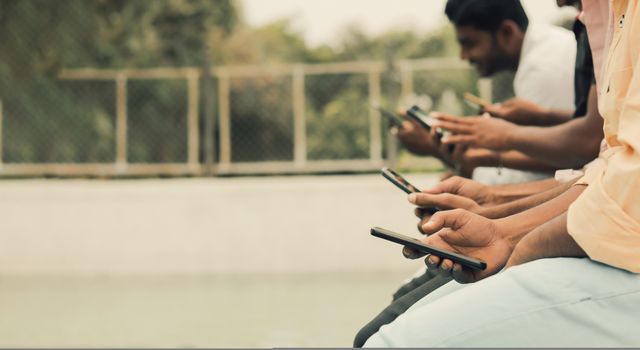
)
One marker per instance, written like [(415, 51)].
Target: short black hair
[(486, 15)]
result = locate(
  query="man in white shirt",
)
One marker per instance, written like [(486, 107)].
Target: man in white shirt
[(494, 36)]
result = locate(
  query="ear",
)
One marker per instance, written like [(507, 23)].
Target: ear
[(506, 33)]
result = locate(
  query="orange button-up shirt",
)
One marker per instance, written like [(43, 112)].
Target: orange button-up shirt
[(605, 219)]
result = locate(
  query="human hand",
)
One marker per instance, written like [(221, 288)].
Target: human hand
[(517, 111), (424, 215), (479, 132), (465, 233), (468, 159), (457, 185), (444, 201), (548, 240), (415, 138)]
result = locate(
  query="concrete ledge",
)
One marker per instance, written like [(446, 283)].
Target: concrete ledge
[(201, 226)]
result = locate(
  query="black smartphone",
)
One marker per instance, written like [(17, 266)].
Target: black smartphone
[(428, 249), (399, 181), (420, 117), (404, 185), (425, 121), (394, 119)]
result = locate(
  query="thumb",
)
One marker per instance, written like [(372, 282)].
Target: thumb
[(440, 220), (450, 185), (442, 200), (445, 219)]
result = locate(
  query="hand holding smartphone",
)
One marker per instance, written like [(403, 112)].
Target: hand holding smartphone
[(420, 117), (428, 249), (399, 181), (404, 185)]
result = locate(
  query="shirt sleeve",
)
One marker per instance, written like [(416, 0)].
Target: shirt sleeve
[(605, 219)]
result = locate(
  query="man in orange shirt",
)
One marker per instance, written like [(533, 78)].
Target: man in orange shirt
[(571, 275)]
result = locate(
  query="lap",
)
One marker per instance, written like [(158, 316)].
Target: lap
[(551, 302)]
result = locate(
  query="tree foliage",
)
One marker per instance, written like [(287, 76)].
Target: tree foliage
[(50, 120)]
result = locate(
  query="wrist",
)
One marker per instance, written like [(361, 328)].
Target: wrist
[(490, 212), (511, 135), (512, 230)]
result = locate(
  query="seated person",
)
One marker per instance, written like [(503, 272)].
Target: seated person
[(495, 35), (584, 296), (574, 146)]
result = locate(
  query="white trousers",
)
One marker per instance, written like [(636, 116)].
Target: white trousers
[(505, 176), (561, 302)]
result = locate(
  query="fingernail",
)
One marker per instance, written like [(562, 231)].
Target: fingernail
[(444, 139), (413, 198), (431, 261), (457, 268)]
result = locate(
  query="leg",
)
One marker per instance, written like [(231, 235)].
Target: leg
[(414, 283), (398, 307), (547, 303)]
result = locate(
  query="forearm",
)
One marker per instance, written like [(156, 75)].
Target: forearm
[(520, 161), (514, 160), (518, 225), (573, 145), (507, 193), (522, 204), (551, 117), (550, 240)]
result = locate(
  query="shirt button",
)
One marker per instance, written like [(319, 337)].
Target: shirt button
[(621, 21)]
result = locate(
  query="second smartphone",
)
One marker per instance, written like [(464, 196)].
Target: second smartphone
[(404, 185)]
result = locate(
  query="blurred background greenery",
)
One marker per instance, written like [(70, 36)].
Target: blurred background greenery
[(48, 120)]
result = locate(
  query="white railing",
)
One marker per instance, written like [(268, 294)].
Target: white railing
[(224, 75)]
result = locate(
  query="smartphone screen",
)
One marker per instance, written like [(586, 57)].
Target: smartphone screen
[(420, 117), (404, 185), (423, 119), (399, 181), (428, 249)]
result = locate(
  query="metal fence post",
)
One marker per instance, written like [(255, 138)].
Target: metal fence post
[(225, 119), (299, 118), (406, 76), (374, 118), (121, 122), (193, 131)]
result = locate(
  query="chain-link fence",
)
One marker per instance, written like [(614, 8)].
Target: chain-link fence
[(173, 118), (271, 119)]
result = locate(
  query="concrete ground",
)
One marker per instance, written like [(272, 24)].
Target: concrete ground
[(237, 262)]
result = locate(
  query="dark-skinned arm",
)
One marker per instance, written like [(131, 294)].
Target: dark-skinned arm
[(569, 145), (522, 204), (550, 240)]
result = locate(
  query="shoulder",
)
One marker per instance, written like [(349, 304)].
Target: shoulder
[(548, 49), (545, 38)]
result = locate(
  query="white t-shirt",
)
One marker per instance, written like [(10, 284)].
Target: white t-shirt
[(545, 76)]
